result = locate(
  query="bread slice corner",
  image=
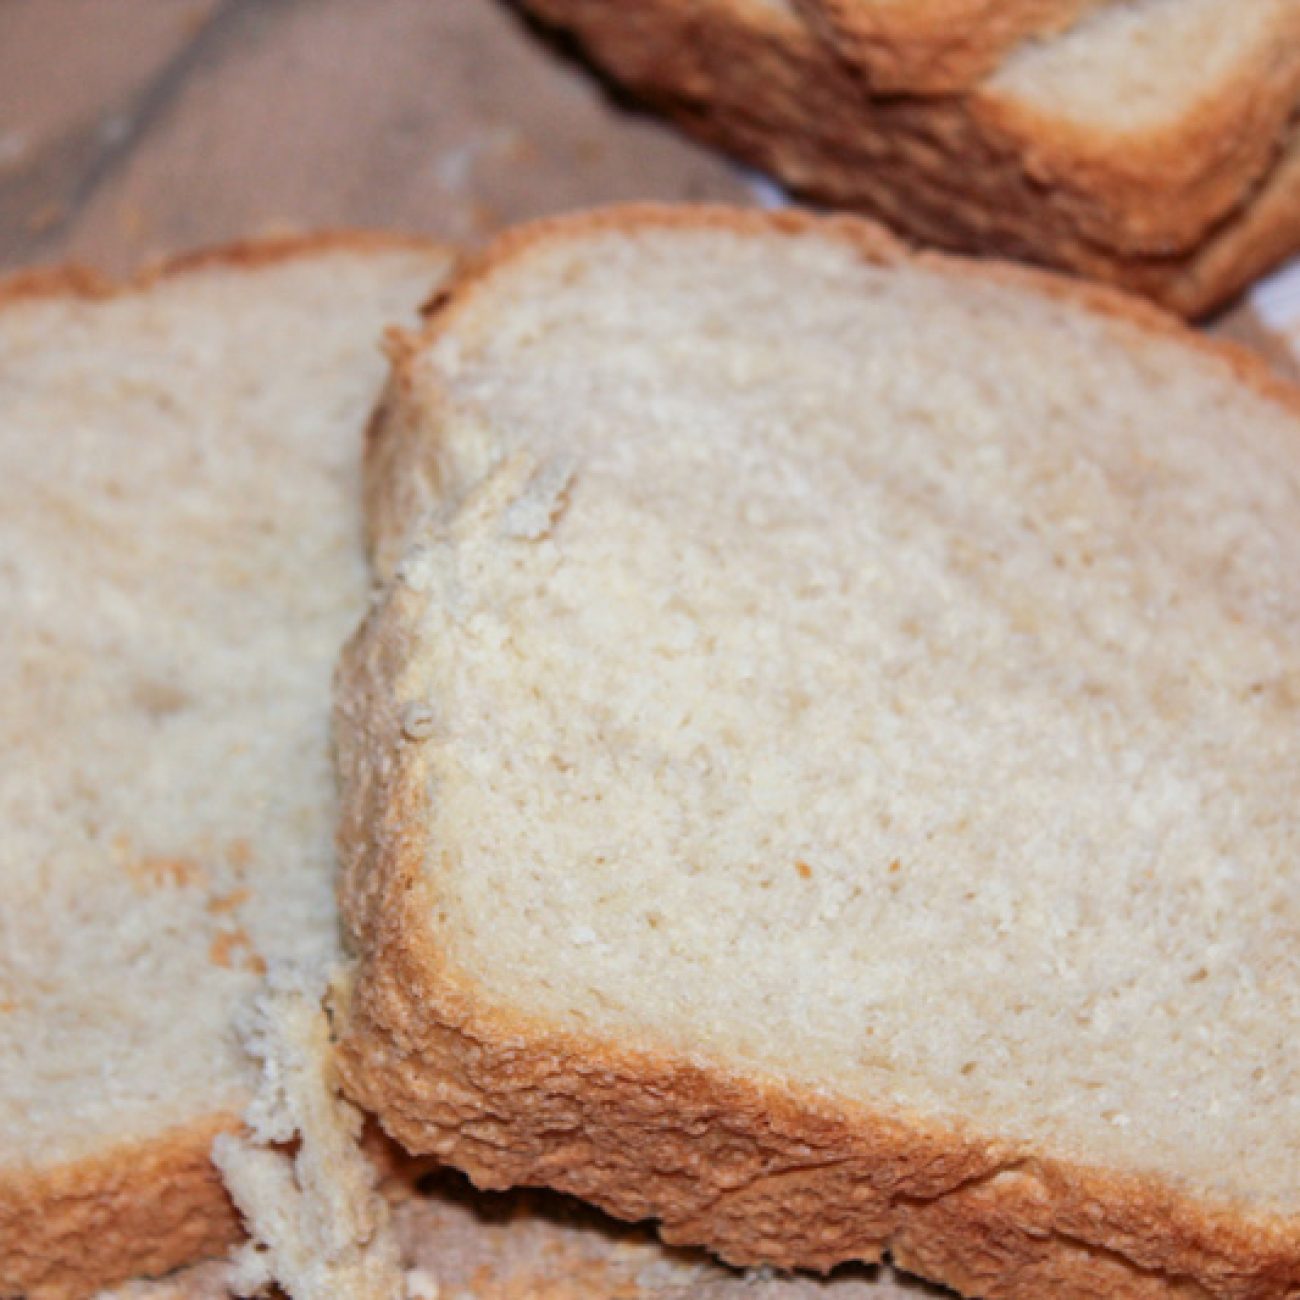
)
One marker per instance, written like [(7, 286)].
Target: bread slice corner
[(936, 47), (1094, 151), (180, 557)]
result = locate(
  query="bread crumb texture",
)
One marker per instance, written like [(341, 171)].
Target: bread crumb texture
[(179, 561), (891, 730), (320, 1229)]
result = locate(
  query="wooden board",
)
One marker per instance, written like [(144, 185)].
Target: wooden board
[(129, 130)]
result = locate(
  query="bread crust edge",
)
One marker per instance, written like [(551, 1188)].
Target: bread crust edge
[(1172, 219), (75, 280), (142, 1207)]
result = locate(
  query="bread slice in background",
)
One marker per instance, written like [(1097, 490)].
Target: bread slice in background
[(1095, 151), (822, 774), (936, 46), (179, 561)]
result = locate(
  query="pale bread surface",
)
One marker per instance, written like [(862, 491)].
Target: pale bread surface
[(319, 1228), (180, 559)]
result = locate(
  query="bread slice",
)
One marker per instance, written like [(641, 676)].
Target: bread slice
[(917, 47), (822, 774), (179, 561), (1183, 193)]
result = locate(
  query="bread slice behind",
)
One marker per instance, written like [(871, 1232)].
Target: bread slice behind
[(179, 561), (1166, 111), (1093, 151), (822, 774)]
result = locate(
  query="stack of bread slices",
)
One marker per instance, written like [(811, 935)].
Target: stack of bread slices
[(817, 768), (1148, 143)]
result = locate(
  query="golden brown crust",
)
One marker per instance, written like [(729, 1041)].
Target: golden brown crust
[(138, 1208), (266, 250), (971, 174), (69, 281), (72, 280), (939, 47), (758, 1171)]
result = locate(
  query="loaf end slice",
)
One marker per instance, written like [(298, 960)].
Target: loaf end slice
[(821, 774), (180, 558)]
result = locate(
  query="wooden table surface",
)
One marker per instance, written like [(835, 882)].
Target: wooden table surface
[(130, 129)]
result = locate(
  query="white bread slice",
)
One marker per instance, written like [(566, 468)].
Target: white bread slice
[(919, 47), (1096, 151), (823, 774), (179, 562)]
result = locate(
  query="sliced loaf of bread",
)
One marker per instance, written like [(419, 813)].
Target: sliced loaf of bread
[(179, 561), (823, 772), (1098, 151)]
